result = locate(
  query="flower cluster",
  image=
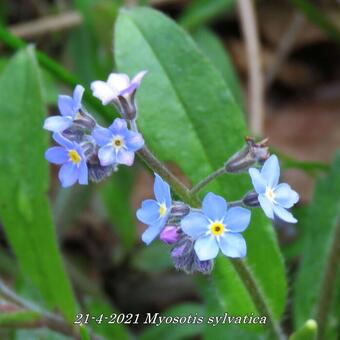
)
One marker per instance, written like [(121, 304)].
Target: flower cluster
[(197, 235), (87, 150)]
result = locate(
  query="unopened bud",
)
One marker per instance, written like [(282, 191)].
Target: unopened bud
[(178, 211), (248, 156), (184, 258), (127, 106), (170, 235), (97, 172), (251, 199)]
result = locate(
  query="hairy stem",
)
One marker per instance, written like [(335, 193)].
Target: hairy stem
[(204, 182), (257, 297), (46, 319), (328, 283)]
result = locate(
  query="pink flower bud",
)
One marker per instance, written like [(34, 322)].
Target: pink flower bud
[(169, 235)]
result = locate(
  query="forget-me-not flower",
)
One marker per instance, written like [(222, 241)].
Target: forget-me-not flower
[(274, 198), (69, 108), (217, 227), (71, 156), (155, 213), (117, 144), (117, 84)]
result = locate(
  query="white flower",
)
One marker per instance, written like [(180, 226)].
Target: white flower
[(117, 84)]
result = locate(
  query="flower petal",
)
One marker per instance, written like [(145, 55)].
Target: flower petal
[(118, 82), (56, 155), (57, 123), (195, 224), (65, 105), (134, 141), (68, 174), (118, 126), (214, 207), (138, 77), (206, 247), (284, 215), (60, 139), (151, 233), (77, 96), (258, 182), (107, 155), (233, 245), (125, 157), (237, 219), (285, 196), (102, 91), (271, 171), (83, 174), (102, 136), (149, 212), (162, 191), (267, 206)]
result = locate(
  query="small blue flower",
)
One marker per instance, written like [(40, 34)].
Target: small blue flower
[(274, 198), (71, 156), (117, 143), (217, 227), (69, 108), (155, 213)]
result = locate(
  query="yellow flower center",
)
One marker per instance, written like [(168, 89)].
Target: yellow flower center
[(74, 156), (217, 228), (117, 142), (162, 209)]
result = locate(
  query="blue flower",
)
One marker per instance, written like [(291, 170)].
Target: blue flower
[(71, 156), (117, 143), (274, 198), (155, 213), (217, 227), (69, 108)]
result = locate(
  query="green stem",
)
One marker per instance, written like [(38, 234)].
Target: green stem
[(152, 162), (258, 299), (328, 283), (204, 182)]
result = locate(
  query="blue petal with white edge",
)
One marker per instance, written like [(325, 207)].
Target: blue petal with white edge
[(151, 233), (195, 224), (206, 247), (267, 206), (57, 123), (233, 245), (285, 196), (214, 206), (57, 155), (162, 191), (258, 182), (271, 171), (237, 219), (68, 174), (284, 215), (149, 212)]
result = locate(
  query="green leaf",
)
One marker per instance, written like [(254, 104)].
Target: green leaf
[(316, 16), (188, 116), (307, 332), (177, 331), (202, 11), (116, 194), (320, 228), (15, 319), (209, 43), (24, 207)]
